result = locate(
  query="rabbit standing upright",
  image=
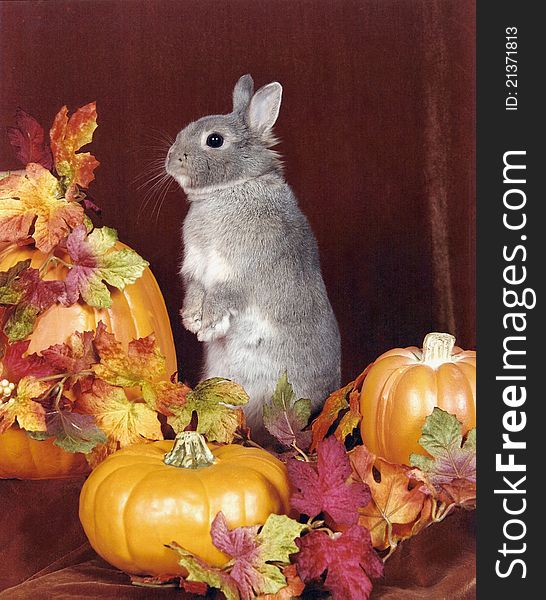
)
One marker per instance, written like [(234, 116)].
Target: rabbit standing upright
[(254, 293)]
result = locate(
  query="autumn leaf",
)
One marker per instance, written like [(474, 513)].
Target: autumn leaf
[(342, 405), (200, 571), (450, 458), (95, 264), (293, 589), (74, 432), (29, 296), (28, 141), (9, 292), (326, 488), (15, 365), (143, 365), (72, 357), (213, 400), (68, 135), (35, 198), (120, 419), (286, 416), (21, 407), (257, 553), (348, 559), (395, 498)]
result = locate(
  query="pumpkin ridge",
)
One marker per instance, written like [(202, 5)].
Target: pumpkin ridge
[(383, 407), (133, 493), (114, 472)]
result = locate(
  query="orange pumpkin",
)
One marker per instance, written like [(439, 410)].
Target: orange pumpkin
[(136, 311), (404, 385), (140, 498)]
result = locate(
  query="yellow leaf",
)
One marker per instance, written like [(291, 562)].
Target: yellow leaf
[(121, 420), (35, 196)]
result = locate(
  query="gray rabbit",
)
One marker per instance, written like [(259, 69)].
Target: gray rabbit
[(254, 293)]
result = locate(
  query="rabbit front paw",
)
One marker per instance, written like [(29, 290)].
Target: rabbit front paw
[(191, 320), (213, 329)]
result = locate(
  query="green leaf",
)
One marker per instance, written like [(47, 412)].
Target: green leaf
[(199, 570), (21, 322), (213, 400), (450, 459), (8, 294), (74, 432), (277, 539)]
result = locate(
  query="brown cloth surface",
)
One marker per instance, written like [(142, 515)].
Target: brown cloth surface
[(44, 554)]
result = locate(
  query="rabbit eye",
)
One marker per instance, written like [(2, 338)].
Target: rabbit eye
[(215, 140)]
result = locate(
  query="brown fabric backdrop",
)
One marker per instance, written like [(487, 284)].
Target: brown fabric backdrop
[(377, 130)]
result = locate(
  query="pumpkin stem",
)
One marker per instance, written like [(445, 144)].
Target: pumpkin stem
[(437, 348), (190, 451)]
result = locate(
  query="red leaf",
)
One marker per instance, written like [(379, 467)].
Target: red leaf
[(325, 489), (38, 292), (76, 355), (16, 366), (348, 559), (27, 140)]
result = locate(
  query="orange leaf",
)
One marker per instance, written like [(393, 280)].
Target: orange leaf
[(351, 419), (30, 415), (121, 419), (68, 135), (394, 500), (345, 399), (35, 196)]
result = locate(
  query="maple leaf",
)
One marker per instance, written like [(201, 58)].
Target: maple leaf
[(200, 571), (293, 589), (68, 135), (348, 559), (95, 264), (450, 459), (23, 288), (250, 571), (120, 419), (73, 357), (142, 365), (74, 432), (35, 197), (21, 407), (395, 498), (15, 365), (326, 489), (213, 400), (28, 141), (285, 417), (9, 294), (344, 402)]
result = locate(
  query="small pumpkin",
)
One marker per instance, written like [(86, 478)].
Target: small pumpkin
[(136, 311), (147, 495), (404, 385)]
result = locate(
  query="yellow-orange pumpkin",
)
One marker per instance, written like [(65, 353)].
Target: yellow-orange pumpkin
[(133, 503), (136, 311), (404, 385)]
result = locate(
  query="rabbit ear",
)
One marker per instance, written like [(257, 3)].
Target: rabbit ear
[(242, 93), (264, 107)]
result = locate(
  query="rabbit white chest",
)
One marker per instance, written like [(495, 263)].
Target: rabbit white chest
[(205, 264)]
